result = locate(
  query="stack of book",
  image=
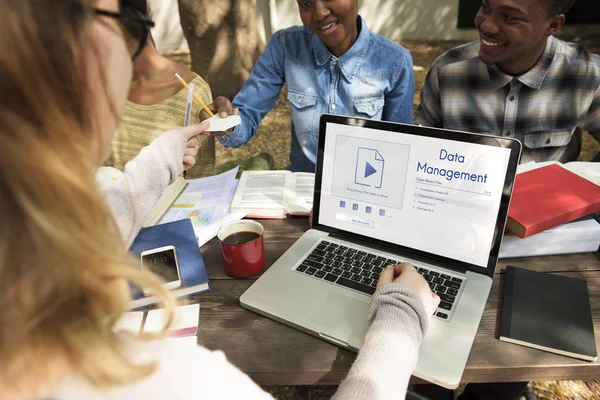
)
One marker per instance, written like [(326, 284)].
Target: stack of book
[(554, 210)]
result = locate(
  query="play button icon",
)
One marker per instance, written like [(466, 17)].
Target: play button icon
[(369, 170)]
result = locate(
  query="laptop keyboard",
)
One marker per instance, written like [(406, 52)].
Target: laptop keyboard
[(360, 271)]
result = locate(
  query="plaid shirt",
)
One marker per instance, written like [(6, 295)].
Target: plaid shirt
[(546, 108)]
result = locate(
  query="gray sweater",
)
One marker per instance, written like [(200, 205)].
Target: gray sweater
[(132, 197)]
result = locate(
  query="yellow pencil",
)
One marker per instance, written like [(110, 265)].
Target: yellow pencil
[(185, 85)]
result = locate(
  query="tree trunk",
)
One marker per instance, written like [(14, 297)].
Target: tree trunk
[(223, 39)]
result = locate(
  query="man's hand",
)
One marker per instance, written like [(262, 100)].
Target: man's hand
[(408, 275), (191, 133), (220, 106)]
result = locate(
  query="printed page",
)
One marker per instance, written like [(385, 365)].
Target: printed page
[(261, 190), (204, 233), (203, 200), (301, 190)]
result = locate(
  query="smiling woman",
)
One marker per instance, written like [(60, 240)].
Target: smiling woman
[(335, 24), (332, 64)]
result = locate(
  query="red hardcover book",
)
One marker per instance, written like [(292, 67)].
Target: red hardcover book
[(547, 197)]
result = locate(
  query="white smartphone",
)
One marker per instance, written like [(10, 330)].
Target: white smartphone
[(163, 262)]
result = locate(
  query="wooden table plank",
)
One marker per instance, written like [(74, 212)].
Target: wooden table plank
[(281, 234), (270, 352), (274, 354), (492, 360)]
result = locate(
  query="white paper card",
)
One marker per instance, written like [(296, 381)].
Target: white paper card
[(130, 322), (186, 341), (185, 322), (218, 124)]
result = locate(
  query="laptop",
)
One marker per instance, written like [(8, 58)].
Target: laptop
[(388, 193)]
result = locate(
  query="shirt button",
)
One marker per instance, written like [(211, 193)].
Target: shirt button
[(299, 99), (548, 141), (333, 106), (370, 106), (334, 62), (512, 98)]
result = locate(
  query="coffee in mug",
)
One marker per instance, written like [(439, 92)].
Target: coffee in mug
[(242, 248), (241, 237)]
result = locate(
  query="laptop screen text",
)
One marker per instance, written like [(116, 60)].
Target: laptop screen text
[(435, 195)]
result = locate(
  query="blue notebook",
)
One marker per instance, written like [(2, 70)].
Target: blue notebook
[(181, 235)]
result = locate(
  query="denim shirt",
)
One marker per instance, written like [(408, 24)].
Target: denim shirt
[(373, 79)]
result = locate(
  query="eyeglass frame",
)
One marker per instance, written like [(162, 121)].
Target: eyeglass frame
[(145, 24)]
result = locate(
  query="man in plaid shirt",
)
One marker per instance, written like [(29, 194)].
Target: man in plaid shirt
[(518, 81)]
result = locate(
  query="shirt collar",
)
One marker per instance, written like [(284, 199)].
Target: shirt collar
[(351, 60), (532, 78)]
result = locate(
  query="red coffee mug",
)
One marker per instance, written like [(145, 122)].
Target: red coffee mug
[(242, 247)]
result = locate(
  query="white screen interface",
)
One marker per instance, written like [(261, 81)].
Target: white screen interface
[(435, 195)]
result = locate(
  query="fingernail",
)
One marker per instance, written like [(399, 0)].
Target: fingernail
[(388, 267), (223, 114), (205, 122)]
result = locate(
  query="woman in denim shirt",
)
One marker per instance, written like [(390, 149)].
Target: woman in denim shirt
[(333, 64)]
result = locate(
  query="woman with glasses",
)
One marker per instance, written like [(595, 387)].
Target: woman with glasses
[(64, 269), (156, 100)]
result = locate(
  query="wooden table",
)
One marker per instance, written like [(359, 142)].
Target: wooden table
[(275, 354)]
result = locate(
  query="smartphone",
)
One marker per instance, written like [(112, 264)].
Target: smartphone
[(163, 262)]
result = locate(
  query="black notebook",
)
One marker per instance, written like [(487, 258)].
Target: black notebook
[(548, 312)]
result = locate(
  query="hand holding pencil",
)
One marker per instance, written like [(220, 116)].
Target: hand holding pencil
[(223, 108), (185, 85)]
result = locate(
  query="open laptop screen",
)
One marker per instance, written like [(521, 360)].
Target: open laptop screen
[(432, 194)]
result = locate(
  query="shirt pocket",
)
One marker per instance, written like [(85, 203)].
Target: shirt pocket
[(303, 110), (370, 106), (542, 139)]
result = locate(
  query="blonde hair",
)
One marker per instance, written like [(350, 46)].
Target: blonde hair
[(64, 271)]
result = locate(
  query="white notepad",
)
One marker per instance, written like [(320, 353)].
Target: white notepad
[(130, 322), (185, 322), (218, 124)]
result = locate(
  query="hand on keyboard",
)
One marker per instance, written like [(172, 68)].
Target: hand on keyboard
[(406, 274)]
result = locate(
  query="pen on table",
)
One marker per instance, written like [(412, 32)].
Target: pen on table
[(185, 85), (188, 111), (188, 106)]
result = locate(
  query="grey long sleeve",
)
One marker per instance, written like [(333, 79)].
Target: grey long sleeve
[(132, 197), (389, 354)]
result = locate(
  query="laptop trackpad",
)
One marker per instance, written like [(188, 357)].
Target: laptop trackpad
[(342, 317)]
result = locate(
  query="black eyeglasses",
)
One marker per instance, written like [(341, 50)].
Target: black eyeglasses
[(135, 26)]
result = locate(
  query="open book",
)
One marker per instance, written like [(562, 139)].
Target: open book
[(273, 194)]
